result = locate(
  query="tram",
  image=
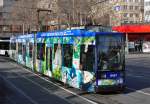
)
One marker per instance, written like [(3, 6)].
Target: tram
[(4, 47), (91, 61)]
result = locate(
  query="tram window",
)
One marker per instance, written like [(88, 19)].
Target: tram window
[(24, 52), (19, 48), (13, 46), (87, 57), (57, 54), (30, 49), (4, 45), (110, 53), (68, 54), (41, 51)]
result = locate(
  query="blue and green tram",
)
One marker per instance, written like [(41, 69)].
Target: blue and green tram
[(13, 48), (22, 48), (91, 61)]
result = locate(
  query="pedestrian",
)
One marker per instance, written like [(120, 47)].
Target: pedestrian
[(140, 46)]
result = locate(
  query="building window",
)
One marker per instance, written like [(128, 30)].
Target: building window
[(136, 15), (125, 14), (131, 22), (125, 0), (125, 7), (131, 15), (140, 1), (1, 14), (136, 7), (131, 7), (147, 3), (125, 21)]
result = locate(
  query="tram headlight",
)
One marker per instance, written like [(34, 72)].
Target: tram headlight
[(120, 81)]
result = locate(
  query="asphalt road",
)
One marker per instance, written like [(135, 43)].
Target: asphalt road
[(19, 86)]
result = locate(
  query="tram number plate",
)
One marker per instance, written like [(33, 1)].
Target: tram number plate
[(112, 75)]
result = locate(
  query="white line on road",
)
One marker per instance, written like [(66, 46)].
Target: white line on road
[(139, 91), (90, 101)]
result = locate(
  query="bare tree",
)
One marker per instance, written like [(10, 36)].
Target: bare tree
[(25, 12), (63, 12), (75, 11)]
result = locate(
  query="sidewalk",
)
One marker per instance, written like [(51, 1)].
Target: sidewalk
[(137, 55)]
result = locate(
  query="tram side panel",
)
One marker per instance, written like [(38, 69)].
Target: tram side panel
[(40, 55), (60, 58), (20, 51), (29, 55), (13, 49), (70, 59), (77, 73)]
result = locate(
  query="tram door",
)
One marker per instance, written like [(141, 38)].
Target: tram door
[(24, 54), (49, 58)]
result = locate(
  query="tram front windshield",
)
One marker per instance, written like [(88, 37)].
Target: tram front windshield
[(110, 51)]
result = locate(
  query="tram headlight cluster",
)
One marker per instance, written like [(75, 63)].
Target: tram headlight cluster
[(120, 81), (103, 76)]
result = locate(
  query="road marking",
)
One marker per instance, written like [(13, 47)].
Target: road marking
[(73, 93), (19, 90), (139, 91)]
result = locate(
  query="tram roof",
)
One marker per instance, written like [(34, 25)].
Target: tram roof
[(25, 36), (4, 40), (74, 32), (64, 33)]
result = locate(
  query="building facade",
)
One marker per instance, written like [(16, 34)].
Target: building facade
[(6, 23), (122, 11), (147, 11)]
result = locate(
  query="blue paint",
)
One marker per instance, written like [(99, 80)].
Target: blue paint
[(112, 75)]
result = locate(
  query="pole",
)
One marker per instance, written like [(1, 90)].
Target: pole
[(23, 28), (127, 47), (38, 27), (73, 12)]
